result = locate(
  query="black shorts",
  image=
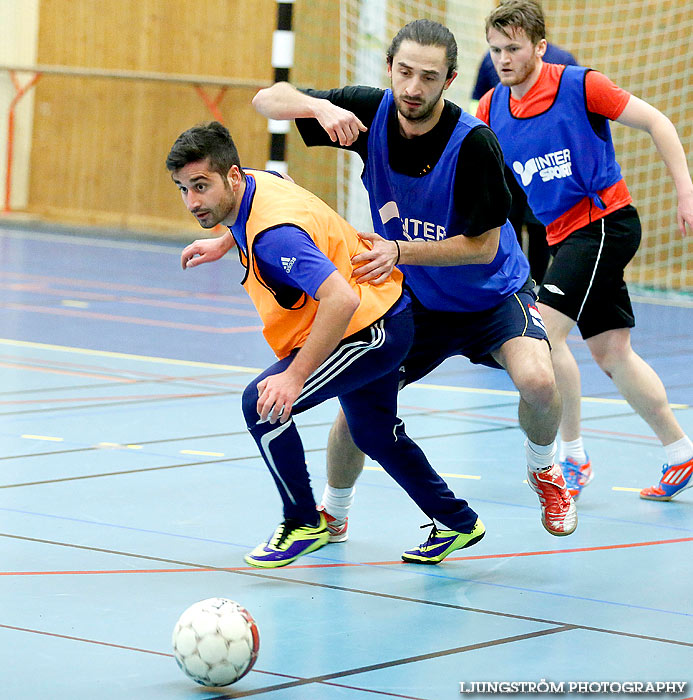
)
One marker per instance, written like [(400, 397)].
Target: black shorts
[(585, 281), (473, 334)]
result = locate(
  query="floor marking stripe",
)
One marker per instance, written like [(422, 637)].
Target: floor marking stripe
[(82, 639), (334, 565), (41, 289), (401, 662), (165, 292), (370, 691), (85, 240), (49, 370), (47, 438), (136, 320), (160, 653), (453, 476), (125, 356), (574, 550), (118, 399), (684, 302), (273, 575), (505, 392), (296, 680), (256, 370)]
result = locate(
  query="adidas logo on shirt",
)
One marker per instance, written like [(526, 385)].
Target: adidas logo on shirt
[(288, 263)]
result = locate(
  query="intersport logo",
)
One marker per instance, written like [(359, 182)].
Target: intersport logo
[(552, 165)]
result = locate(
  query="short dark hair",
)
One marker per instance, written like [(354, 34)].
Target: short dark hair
[(427, 33), (211, 140), (518, 14)]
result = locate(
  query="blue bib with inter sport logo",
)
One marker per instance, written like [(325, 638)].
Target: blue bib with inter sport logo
[(422, 208), (558, 157)]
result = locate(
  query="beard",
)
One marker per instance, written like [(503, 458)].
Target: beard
[(216, 214), (519, 75), (208, 222), (420, 112)]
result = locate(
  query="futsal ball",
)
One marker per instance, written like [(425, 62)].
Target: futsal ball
[(216, 642)]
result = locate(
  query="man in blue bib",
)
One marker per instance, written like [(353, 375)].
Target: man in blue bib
[(439, 204), (552, 122), (521, 216)]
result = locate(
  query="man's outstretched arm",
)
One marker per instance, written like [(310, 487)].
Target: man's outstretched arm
[(284, 101), (642, 115)]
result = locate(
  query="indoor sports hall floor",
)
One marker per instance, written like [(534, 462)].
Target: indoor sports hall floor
[(129, 489)]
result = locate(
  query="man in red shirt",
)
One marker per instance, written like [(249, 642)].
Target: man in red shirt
[(552, 122)]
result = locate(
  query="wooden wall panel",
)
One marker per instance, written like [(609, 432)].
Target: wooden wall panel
[(316, 65), (99, 144)]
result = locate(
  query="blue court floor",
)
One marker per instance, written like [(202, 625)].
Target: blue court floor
[(129, 489)]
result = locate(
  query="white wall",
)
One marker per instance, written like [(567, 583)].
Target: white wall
[(18, 46)]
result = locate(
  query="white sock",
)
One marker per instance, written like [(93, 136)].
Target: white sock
[(573, 449), (540, 457), (338, 501), (680, 451)]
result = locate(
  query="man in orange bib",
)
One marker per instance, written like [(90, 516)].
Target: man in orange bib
[(333, 337)]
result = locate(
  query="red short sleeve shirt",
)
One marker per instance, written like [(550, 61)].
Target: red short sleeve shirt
[(602, 97)]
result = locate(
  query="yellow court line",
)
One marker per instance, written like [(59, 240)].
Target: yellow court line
[(221, 454), (256, 370), (118, 446), (623, 402), (683, 302), (126, 356), (504, 392), (462, 389), (454, 476), (43, 437)]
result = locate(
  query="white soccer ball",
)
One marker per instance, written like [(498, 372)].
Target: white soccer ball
[(216, 642)]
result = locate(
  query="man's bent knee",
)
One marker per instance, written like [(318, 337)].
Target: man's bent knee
[(249, 404), (538, 388)]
